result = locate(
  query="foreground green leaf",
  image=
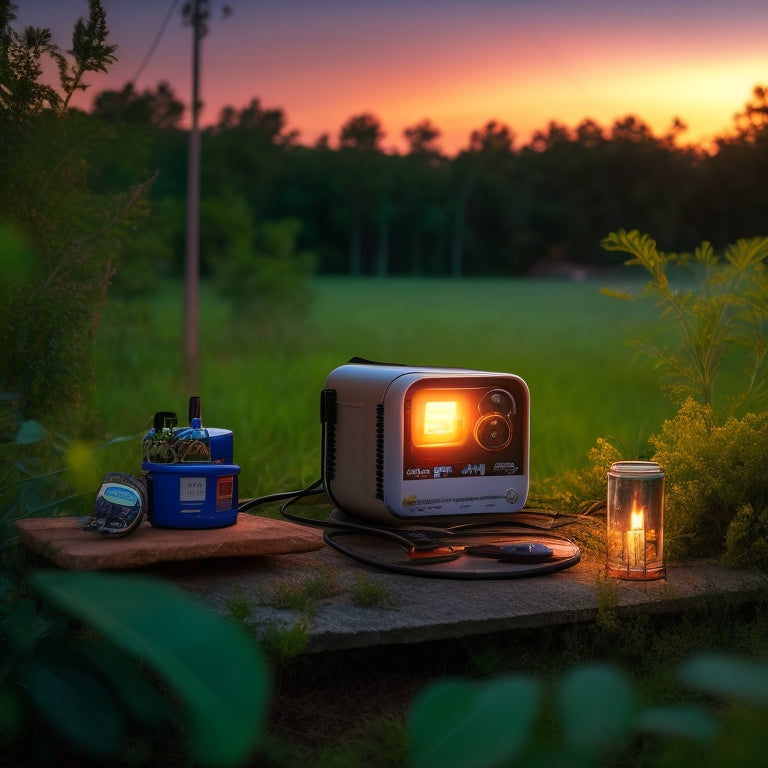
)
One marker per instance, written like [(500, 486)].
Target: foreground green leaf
[(727, 677), (596, 707), (463, 724), (30, 432), (684, 721), (77, 705), (213, 666)]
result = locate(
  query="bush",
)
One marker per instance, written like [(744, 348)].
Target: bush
[(268, 276), (714, 475), (746, 542)]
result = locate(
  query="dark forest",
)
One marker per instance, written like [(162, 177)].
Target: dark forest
[(494, 208)]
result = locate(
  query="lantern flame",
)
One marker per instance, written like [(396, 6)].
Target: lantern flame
[(636, 538)]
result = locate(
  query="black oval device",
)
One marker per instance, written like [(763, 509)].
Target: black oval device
[(528, 552)]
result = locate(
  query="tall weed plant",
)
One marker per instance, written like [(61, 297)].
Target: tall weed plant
[(715, 449), (61, 236), (717, 305)]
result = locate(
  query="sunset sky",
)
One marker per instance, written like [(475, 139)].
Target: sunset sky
[(459, 63)]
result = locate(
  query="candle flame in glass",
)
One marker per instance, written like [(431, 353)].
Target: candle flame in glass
[(636, 538)]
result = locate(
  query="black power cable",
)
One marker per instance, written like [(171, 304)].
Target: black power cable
[(158, 36), (430, 550)]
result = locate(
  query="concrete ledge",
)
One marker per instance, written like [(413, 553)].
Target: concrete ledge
[(424, 609)]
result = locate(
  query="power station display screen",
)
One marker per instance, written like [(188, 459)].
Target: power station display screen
[(454, 430), (438, 418)]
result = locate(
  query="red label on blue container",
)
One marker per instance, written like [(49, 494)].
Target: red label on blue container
[(225, 487)]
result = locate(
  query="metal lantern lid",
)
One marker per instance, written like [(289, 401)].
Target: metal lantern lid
[(639, 469)]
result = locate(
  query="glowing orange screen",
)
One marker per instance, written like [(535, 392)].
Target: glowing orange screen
[(439, 417)]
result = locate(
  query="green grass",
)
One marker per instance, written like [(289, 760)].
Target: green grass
[(302, 596), (566, 340)]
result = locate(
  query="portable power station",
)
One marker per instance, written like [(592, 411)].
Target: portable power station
[(404, 444)]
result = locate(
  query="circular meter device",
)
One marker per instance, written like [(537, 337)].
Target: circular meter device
[(402, 444)]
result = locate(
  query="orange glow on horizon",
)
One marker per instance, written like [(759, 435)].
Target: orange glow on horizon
[(458, 65)]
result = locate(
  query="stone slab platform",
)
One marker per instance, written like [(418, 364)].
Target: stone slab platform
[(420, 609), (413, 609)]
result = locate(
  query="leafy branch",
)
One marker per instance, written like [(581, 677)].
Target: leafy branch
[(21, 56), (726, 308), (89, 50)]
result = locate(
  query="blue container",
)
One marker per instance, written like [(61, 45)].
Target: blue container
[(222, 448), (192, 495)]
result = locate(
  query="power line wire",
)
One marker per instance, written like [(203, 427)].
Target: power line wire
[(153, 47)]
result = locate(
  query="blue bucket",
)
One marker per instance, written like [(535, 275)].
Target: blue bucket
[(222, 448), (192, 495)]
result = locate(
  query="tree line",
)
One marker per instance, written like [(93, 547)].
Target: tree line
[(494, 208)]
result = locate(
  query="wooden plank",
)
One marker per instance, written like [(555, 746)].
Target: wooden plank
[(60, 540)]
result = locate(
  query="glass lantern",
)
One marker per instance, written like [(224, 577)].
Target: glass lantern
[(635, 520)]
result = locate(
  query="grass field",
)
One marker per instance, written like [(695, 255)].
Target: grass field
[(566, 340)]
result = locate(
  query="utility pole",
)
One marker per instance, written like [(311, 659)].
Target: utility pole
[(196, 12)]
